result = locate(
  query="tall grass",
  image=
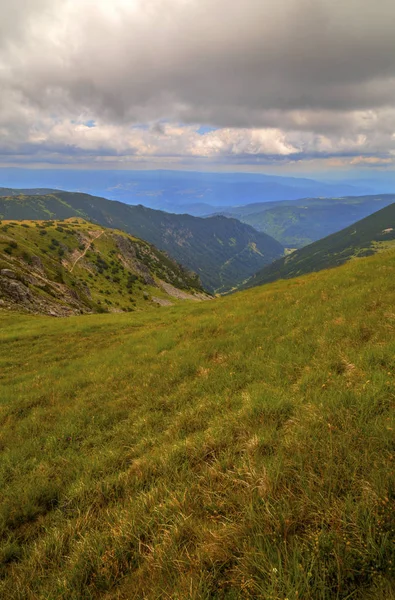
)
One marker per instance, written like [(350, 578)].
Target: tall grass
[(242, 448)]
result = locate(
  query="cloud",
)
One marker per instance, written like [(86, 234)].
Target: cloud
[(371, 161), (280, 78)]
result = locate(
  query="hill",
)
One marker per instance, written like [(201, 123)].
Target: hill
[(361, 239), (298, 223), (239, 448), (222, 251), (71, 267)]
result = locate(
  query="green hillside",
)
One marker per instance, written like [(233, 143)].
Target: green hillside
[(239, 448), (296, 223), (361, 239), (72, 267), (224, 252)]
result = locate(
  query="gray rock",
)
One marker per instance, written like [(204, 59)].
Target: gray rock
[(14, 290), (37, 264), (128, 252), (8, 273)]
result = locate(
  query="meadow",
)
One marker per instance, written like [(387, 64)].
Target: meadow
[(239, 448)]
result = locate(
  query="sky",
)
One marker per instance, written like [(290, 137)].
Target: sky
[(259, 85)]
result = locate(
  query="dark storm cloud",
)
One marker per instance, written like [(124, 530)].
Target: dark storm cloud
[(320, 66)]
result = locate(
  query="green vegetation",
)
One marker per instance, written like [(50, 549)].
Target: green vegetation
[(223, 252), (296, 223), (25, 191), (366, 237), (70, 267), (240, 448)]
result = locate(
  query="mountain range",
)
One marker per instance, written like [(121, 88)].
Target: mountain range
[(196, 193), (223, 252), (372, 234), (299, 222)]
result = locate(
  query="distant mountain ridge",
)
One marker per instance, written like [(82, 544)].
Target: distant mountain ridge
[(363, 238), (296, 223), (223, 252), (183, 191)]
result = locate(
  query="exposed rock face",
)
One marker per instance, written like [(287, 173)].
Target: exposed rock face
[(21, 291), (8, 273), (16, 293), (129, 258), (15, 290), (37, 264)]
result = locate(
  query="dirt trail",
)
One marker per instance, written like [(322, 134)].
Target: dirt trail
[(86, 250)]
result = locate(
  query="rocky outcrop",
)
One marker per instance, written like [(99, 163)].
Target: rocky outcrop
[(128, 257), (15, 290), (23, 292), (8, 274), (14, 293)]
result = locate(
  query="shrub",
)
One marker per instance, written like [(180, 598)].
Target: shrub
[(27, 258)]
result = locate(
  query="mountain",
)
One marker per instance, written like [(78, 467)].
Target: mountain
[(241, 448), (222, 251), (182, 191), (25, 192), (365, 237), (300, 222), (71, 267)]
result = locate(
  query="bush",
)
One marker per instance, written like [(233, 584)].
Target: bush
[(27, 258)]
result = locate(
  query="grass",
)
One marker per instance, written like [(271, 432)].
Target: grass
[(240, 448), (104, 269)]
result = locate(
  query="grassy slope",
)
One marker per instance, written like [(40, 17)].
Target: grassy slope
[(296, 223), (361, 239), (242, 448), (224, 252), (113, 283)]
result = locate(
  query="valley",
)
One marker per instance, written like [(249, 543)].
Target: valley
[(223, 252), (300, 222), (372, 234)]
